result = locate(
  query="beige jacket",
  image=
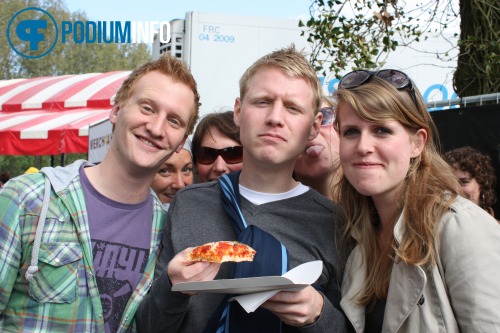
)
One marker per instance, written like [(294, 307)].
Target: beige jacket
[(460, 294)]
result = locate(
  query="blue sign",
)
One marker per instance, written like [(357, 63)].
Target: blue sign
[(429, 91)]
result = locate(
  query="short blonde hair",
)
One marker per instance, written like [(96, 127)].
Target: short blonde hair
[(293, 63)]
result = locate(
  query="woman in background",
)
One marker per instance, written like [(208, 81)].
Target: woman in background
[(476, 175), (426, 259), (216, 146), (174, 174)]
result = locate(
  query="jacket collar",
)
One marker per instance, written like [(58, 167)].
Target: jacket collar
[(61, 177)]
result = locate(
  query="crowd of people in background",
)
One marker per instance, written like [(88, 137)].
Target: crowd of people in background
[(406, 234)]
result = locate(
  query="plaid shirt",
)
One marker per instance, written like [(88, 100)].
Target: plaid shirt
[(63, 295)]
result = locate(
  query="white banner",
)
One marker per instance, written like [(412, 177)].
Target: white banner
[(100, 135)]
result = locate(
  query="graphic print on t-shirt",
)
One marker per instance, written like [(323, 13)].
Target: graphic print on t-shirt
[(118, 269)]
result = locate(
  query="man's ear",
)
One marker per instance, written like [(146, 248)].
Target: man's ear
[(182, 144), (237, 111), (113, 114), (316, 126), (419, 140)]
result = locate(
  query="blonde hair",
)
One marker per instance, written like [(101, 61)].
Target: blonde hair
[(336, 169), (293, 63), (168, 65), (428, 190)]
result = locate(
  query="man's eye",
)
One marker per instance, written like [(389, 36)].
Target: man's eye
[(147, 108), (174, 121), (292, 109), (262, 103)]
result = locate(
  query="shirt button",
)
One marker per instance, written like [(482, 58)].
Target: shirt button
[(100, 316), (57, 260)]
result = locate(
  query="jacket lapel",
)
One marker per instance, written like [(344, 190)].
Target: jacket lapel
[(354, 279), (406, 288)]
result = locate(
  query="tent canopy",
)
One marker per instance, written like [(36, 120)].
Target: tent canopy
[(51, 115)]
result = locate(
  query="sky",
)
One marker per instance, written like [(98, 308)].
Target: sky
[(166, 10)]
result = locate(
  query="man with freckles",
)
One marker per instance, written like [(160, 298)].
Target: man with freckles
[(79, 244)]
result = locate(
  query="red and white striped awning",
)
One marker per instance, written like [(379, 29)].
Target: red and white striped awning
[(51, 115)]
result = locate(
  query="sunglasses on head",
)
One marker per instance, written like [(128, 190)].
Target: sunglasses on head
[(398, 79), (328, 115), (231, 155)]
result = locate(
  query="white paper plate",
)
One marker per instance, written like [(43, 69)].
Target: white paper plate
[(239, 286)]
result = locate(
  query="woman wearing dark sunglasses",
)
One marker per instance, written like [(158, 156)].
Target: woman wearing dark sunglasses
[(426, 259), (317, 166), (216, 146)]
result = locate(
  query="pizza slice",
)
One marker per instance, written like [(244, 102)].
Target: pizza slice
[(222, 251)]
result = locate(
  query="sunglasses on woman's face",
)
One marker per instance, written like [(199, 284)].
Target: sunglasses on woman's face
[(395, 77), (231, 155), (328, 116)]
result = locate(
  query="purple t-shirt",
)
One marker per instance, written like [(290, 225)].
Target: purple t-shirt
[(121, 237)]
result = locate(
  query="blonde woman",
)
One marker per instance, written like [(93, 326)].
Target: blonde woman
[(426, 259)]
